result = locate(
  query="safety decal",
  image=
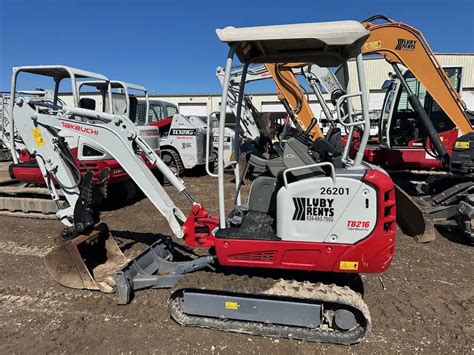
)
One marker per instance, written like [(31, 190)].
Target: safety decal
[(38, 137), (372, 46), (462, 145), (232, 305), (349, 265)]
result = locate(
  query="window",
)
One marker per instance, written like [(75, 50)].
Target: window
[(172, 110), (156, 113)]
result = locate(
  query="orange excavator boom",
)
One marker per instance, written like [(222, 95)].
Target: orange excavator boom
[(400, 43)]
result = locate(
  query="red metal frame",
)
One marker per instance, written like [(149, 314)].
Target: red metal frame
[(29, 172), (372, 254), (162, 123), (413, 156)]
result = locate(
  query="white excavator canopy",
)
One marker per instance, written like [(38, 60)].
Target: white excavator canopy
[(114, 84), (322, 43), (60, 72)]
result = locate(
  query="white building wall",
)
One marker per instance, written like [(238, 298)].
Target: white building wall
[(376, 72)]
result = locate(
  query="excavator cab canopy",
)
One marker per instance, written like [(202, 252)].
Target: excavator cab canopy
[(125, 90), (326, 44), (58, 73), (114, 84)]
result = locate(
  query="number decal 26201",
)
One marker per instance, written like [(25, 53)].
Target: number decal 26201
[(334, 191)]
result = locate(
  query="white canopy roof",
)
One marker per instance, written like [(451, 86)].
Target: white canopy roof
[(114, 84), (60, 71), (323, 43)]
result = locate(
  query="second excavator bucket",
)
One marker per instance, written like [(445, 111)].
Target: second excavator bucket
[(411, 218), (87, 261)]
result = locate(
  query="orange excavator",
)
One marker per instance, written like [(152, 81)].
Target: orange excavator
[(436, 135)]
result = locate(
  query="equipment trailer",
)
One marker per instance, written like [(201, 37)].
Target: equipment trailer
[(314, 216)]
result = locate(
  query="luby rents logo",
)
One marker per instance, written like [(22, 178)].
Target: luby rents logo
[(307, 209), (406, 44)]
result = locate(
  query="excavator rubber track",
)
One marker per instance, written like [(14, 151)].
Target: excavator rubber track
[(235, 288)]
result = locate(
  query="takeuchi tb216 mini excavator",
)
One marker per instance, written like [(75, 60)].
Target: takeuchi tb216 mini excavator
[(310, 215)]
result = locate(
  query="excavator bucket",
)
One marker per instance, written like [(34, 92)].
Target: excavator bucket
[(411, 218), (87, 261)]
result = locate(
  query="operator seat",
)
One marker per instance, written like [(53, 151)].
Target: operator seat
[(329, 148), (87, 103)]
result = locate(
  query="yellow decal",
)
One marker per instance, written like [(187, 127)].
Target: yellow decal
[(462, 145), (372, 46), (38, 137), (348, 265), (231, 305)]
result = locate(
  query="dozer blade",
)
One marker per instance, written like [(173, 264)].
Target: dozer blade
[(411, 218), (87, 261)]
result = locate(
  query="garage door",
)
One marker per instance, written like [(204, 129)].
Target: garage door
[(193, 109), (468, 97), (278, 107)]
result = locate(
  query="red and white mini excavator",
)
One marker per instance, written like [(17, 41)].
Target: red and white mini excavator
[(314, 210)]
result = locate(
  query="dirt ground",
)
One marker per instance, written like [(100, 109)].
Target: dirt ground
[(424, 303)]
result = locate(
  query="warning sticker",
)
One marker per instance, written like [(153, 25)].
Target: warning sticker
[(348, 265), (371, 46), (38, 137), (231, 305), (461, 145)]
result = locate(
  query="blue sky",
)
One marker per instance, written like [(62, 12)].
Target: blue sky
[(171, 46)]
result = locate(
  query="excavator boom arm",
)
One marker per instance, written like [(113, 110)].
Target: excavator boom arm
[(38, 126), (403, 44)]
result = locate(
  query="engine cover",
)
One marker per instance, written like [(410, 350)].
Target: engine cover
[(322, 210)]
